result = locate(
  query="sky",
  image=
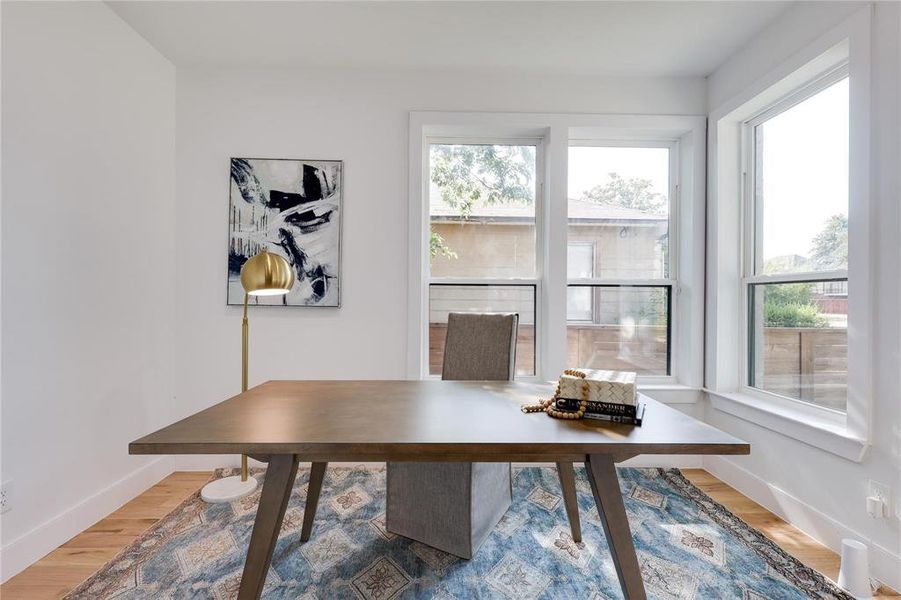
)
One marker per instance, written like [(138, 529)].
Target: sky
[(805, 171), (590, 166)]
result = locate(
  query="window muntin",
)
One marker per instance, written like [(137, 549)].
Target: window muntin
[(482, 210), (796, 272), (619, 204)]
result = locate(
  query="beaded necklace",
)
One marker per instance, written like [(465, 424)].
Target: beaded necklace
[(547, 406)]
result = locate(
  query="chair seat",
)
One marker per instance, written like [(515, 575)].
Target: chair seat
[(449, 506)]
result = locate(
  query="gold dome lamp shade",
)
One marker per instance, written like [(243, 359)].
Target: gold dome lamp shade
[(265, 274)]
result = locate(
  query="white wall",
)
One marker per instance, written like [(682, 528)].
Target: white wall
[(88, 187), (362, 118), (820, 492)]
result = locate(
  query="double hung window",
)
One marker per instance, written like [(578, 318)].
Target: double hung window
[(489, 249), (619, 289), (796, 244)]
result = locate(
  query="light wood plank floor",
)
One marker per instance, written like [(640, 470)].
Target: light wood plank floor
[(73, 562), (792, 540), (60, 571)]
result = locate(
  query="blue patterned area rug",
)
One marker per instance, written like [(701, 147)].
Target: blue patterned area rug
[(689, 547)]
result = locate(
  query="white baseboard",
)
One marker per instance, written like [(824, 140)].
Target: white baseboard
[(884, 564), (31, 546), (666, 461)]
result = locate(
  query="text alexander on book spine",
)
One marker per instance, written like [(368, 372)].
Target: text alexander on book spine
[(599, 408)]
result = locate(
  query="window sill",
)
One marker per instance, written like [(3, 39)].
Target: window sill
[(670, 393), (794, 423)]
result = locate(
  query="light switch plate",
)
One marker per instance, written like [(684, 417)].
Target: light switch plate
[(884, 493)]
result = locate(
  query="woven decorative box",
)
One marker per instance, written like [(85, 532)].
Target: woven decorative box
[(603, 386)]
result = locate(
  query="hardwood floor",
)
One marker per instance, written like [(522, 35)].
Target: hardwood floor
[(792, 540), (60, 571), (73, 562)]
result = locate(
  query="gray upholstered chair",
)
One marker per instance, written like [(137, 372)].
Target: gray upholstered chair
[(454, 506)]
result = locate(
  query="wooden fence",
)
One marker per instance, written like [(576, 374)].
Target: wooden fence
[(525, 349), (641, 349), (810, 364)]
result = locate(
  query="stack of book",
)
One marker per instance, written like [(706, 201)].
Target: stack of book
[(631, 414), (608, 395)]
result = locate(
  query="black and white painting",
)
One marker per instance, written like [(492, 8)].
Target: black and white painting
[(291, 208)]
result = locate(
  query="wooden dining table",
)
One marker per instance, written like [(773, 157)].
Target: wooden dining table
[(284, 423)]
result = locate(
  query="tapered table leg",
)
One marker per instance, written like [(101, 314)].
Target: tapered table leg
[(317, 474), (270, 512), (612, 511), (568, 485)]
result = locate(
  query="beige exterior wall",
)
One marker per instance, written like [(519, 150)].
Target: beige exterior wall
[(508, 250), (486, 250)]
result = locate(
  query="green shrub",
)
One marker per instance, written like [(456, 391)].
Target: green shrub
[(792, 314)]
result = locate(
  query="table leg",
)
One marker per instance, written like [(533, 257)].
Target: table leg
[(273, 501), (568, 485), (317, 474), (612, 511)]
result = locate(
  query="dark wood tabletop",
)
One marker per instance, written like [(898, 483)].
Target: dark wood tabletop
[(422, 421)]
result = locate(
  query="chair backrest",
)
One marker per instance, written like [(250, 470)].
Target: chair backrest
[(480, 346)]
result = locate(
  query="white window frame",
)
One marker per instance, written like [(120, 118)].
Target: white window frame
[(535, 280), (671, 281), (752, 234), (556, 132), (845, 434)]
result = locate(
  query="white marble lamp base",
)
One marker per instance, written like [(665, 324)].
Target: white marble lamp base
[(228, 489)]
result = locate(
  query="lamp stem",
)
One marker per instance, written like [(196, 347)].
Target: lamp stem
[(244, 349), (244, 352)]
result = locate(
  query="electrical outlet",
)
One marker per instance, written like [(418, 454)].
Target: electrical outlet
[(884, 493), (6, 490)]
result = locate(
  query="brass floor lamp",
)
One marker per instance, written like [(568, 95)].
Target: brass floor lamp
[(265, 274)]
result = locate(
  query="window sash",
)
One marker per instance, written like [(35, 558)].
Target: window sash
[(538, 144), (670, 280), (801, 94), (753, 209), (496, 283), (672, 253), (752, 235), (595, 287), (749, 384)]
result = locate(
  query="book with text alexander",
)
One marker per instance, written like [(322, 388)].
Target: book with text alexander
[(634, 420), (601, 408)]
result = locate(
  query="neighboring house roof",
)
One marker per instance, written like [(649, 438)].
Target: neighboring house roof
[(579, 210)]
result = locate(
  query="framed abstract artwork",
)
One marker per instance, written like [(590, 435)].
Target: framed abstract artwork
[(291, 208)]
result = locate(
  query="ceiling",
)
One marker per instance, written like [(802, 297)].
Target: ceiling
[(610, 38)]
